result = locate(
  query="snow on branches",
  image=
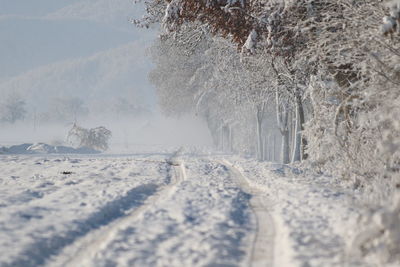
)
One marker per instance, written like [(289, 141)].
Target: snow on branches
[(334, 75), (172, 12), (251, 41), (95, 138), (391, 23)]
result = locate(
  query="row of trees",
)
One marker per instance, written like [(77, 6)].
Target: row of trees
[(266, 78), (13, 108), (321, 76)]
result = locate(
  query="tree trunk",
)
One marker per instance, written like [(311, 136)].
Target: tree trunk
[(265, 148), (285, 148), (285, 153), (300, 109), (282, 115), (296, 156), (274, 149), (302, 121), (260, 146), (213, 131)]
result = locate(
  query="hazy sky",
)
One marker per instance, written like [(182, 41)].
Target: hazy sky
[(32, 7), (54, 48)]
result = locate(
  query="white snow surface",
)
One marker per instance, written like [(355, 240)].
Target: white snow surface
[(315, 218), (154, 210)]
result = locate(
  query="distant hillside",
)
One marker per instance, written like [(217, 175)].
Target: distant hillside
[(74, 48), (99, 79)]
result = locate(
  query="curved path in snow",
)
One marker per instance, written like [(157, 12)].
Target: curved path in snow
[(85, 249), (262, 250)]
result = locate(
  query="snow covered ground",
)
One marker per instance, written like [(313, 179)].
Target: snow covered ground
[(315, 219), (154, 210)]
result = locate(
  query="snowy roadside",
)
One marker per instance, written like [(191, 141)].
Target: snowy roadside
[(315, 219)]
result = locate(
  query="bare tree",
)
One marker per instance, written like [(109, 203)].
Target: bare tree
[(67, 109), (12, 108)]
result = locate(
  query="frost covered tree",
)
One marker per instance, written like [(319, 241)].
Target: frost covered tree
[(331, 68), (95, 138), (245, 82), (305, 41), (258, 89), (176, 67)]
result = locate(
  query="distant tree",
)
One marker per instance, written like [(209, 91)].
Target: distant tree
[(176, 69), (95, 138), (12, 108), (67, 109), (125, 107)]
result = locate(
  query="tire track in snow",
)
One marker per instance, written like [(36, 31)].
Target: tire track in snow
[(42, 249), (96, 242), (87, 236), (262, 250)]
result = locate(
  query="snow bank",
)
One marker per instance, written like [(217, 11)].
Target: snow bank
[(378, 237), (41, 148)]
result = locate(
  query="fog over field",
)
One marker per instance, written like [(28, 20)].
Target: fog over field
[(84, 62)]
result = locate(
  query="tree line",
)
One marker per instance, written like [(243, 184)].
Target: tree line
[(15, 108), (288, 81)]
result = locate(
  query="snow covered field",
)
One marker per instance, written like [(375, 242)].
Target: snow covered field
[(151, 210)]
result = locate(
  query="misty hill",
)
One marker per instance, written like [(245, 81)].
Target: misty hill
[(98, 80), (85, 49)]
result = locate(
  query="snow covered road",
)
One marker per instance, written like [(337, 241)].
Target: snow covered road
[(59, 211), (262, 248), (151, 210)]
